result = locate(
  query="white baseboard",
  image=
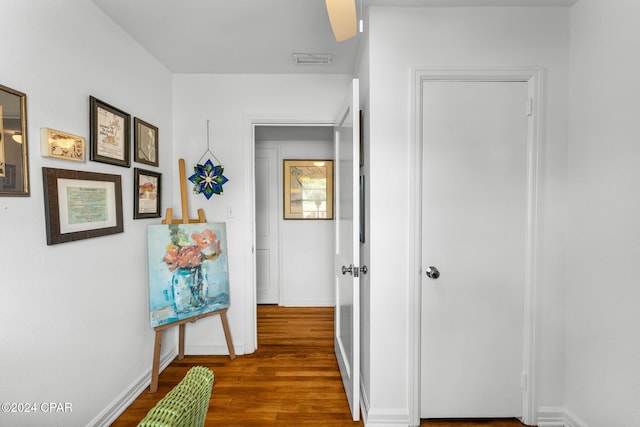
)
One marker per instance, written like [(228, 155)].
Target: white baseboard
[(386, 418), (306, 303), (380, 418), (573, 420), (212, 350), (558, 417), (122, 402), (550, 417)]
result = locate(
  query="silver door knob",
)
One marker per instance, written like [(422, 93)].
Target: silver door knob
[(346, 269), (432, 272)]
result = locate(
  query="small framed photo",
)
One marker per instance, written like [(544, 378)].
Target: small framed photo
[(308, 189), (110, 136), (145, 142), (80, 205), (62, 145), (147, 191)]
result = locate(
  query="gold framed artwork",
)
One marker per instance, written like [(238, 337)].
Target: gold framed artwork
[(62, 145), (145, 142), (81, 205), (110, 136), (14, 159), (308, 189)]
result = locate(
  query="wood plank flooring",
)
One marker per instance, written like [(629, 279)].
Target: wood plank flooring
[(291, 380)]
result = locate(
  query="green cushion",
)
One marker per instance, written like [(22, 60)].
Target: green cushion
[(186, 404)]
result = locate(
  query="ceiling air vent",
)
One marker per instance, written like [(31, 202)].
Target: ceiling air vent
[(312, 58)]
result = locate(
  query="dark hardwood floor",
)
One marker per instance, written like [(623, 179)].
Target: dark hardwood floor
[(291, 380)]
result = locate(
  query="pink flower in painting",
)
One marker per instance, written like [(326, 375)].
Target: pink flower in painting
[(207, 242), (183, 254)]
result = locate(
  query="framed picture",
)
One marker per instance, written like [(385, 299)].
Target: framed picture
[(145, 142), (110, 137), (146, 190), (308, 189), (14, 159), (62, 145), (81, 205)]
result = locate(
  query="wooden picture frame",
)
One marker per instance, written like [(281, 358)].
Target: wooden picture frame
[(308, 189), (147, 190), (14, 158), (145, 142), (110, 134), (80, 205), (62, 145)]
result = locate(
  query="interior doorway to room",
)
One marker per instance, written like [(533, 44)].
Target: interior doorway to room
[(294, 258)]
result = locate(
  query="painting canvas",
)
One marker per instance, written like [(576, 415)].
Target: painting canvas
[(188, 271)]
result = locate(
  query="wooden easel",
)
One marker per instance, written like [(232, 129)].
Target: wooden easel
[(222, 312)]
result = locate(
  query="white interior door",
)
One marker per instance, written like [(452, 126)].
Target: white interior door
[(347, 253), (267, 214), (474, 205)]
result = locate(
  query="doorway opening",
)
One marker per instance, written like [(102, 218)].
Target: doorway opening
[(294, 258)]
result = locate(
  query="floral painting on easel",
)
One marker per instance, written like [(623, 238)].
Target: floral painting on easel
[(188, 270)]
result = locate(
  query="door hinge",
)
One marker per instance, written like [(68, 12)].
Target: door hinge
[(523, 381), (529, 106)]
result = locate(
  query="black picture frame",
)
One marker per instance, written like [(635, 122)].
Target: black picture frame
[(147, 192), (81, 205), (110, 134), (145, 142)]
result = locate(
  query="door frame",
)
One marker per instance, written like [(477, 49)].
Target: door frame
[(250, 123), (533, 78)]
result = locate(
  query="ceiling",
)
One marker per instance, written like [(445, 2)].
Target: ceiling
[(252, 36)]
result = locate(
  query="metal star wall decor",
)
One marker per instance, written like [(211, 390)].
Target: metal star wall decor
[(208, 177)]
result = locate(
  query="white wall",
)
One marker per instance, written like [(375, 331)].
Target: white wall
[(402, 39), (233, 103), (603, 295), (306, 247), (75, 322)]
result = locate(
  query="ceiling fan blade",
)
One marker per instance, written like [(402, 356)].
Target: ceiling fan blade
[(342, 15)]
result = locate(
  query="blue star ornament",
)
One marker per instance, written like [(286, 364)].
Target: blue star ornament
[(208, 179)]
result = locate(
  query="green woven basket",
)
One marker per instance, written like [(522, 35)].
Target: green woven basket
[(186, 405)]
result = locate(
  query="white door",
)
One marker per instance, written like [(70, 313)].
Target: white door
[(347, 253), (474, 205), (267, 214)]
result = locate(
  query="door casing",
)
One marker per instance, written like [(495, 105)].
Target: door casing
[(250, 123), (533, 77)]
